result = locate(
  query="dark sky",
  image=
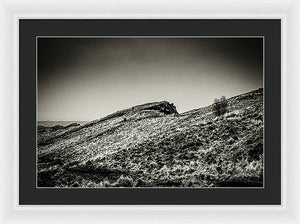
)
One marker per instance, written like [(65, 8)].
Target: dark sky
[(88, 78)]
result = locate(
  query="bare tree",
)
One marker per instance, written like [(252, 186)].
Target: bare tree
[(220, 106)]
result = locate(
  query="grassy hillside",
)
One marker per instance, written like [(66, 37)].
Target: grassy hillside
[(151, 145)]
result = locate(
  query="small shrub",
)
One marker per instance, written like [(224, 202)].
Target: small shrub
[(140, 183), (75, 184), (124, 181), (255, 152), (105, 183), (220, 106)]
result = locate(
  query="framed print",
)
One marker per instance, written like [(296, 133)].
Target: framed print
[(150, 112)]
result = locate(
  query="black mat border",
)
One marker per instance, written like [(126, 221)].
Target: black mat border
[(30, 28)]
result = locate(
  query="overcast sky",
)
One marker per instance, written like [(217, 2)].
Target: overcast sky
[(82, 79)]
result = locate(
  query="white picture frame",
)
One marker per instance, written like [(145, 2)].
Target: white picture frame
[(12, 10)]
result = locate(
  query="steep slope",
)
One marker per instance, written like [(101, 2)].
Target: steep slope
[(151, 145)]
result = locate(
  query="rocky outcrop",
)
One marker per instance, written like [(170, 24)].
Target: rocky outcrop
[(163, 108)]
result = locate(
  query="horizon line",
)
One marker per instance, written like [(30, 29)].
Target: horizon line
[(147, 103)]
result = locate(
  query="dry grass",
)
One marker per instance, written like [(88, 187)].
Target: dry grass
[(149, 148)]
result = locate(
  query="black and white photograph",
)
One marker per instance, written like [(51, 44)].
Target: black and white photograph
[(150, 112)]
